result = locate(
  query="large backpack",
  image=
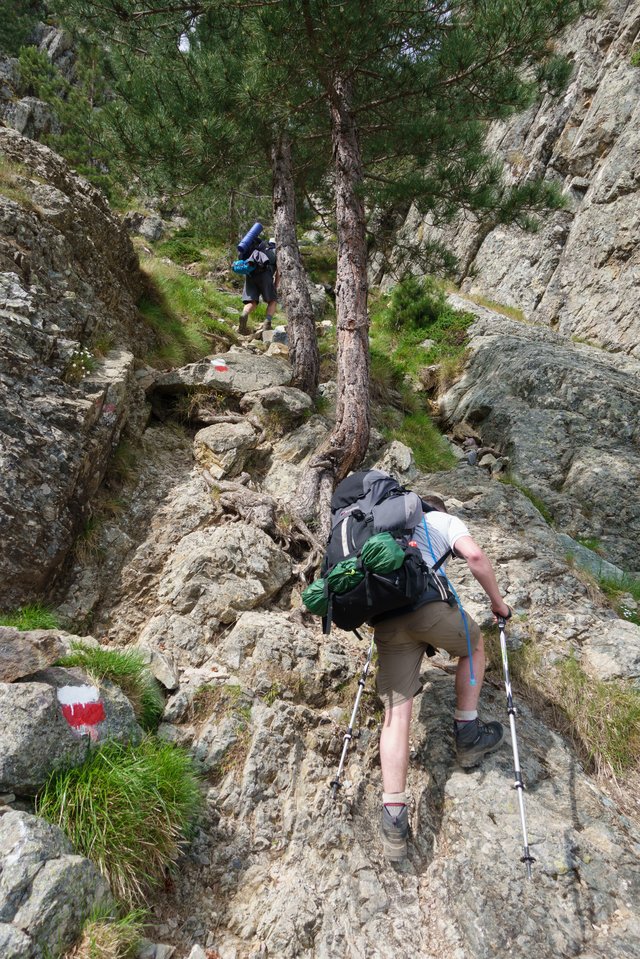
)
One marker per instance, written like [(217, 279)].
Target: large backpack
[(372, 565)]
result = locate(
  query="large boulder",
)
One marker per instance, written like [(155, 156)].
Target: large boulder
[(51, 720), (212, 576), (46, 892), (233, 373), (223, 448), (572, 441), (69, 282), (22, 653), (273, 654)]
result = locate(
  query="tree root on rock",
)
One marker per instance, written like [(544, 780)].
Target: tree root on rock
[(234, 501)]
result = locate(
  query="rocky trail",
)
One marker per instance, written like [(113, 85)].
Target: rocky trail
[(277, 868), (193, 555)]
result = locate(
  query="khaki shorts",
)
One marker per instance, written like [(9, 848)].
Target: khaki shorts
[(403, 640)]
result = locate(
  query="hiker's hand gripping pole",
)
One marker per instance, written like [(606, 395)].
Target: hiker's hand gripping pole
[(518, 785), (348, 736)]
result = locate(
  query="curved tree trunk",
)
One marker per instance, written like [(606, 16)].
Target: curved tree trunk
[(303, 344), (347, 444)]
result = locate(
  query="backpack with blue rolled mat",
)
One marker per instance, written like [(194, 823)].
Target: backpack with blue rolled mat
[(247, 245), (372, 565)]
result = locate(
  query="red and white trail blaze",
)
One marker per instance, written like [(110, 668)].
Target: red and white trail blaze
[(219, 366), (82, 708)]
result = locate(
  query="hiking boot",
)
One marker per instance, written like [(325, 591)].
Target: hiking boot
[(475, 740), (394, 832)]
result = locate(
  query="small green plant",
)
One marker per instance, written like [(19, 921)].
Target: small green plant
[(205, 699), (592, 543), (33, 616), (14, 183), (108, 936), (617, 591), (87, 548), (180, 250), (128, 808), (601, 718), (123, 463), (82, 363), (272, 693), (635, 58), (510, 480), (415, 304), (128, 670)]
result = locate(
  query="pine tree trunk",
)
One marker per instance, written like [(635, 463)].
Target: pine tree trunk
[(345, 448), (303, 344)]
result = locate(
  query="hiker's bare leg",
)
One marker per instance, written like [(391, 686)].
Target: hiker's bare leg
[(394, 747), (272, 306), (466, 695), (243, 327)]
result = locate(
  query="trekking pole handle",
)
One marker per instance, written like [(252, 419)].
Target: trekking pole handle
[(502, 620)]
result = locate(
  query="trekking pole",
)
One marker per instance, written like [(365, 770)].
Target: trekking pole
[(527, 858), (348, 736)]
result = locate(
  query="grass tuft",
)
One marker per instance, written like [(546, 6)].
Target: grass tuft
[(129, 809), (188, 315), (602, 719), (106, 936), (32, 616), (128, 670), (510, 480)]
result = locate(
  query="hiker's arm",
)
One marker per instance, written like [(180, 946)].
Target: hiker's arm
[(479, 564)]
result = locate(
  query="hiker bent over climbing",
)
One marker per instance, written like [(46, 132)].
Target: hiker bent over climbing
[(263, 283), (402, 638)]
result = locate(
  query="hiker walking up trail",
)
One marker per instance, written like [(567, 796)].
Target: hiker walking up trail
[(402, 637), (262, 282)]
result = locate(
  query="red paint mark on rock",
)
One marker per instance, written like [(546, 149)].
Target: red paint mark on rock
[(82, 708), (220, 366), (109, 408)]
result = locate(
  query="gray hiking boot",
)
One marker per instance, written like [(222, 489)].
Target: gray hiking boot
[(475, 739), (394, 831)]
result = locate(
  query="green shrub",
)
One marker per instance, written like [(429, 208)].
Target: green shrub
[(635, 58), (129, 809), (602, 719), (180, 250), (30, 617), (415, 304), (128, 670), (430, 449)]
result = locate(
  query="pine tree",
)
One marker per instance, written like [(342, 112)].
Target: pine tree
[(400, 92), (409, 88), (194, 108)]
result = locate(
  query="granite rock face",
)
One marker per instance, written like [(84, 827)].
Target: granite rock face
[(69, 280), (580, 273), (573, 442)]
